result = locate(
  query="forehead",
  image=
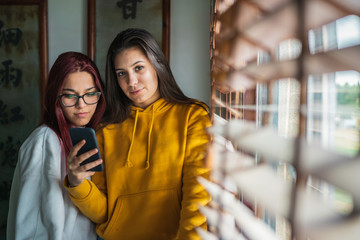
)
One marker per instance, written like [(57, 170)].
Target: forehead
[(129, 56), (79, 80)]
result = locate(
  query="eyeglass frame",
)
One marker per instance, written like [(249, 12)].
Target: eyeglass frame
[(78, 97)]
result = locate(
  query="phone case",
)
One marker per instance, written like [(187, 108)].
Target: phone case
[(78, 134)]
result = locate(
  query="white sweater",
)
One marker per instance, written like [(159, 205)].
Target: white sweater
[(40, 207)]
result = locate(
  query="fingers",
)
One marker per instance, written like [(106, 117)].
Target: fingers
[(77, 175), (75, 164), (91, 165), (73, 160), (77, 172), (85, 156), (76, 148), (76, 161)]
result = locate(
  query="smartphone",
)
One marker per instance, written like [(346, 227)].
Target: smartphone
[(78, 134)]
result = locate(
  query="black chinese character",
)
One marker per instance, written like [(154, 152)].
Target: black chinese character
[(10, 74), (5, 187), (15, 114), (11, 35), (3, 114), (10, 150)]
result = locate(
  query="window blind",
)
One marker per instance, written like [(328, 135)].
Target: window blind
[(285, 110)]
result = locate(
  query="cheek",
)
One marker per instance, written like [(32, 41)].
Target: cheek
[(64, 110), (93, 109), (148, 78), (66, 114), (155, 82), (154, 78)]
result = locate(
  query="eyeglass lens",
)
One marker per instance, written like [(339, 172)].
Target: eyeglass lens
[(69, 100)]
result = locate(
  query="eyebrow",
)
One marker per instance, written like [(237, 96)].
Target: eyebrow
[(72, 90), (116, 69)]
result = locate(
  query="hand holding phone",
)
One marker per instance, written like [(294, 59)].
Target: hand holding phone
[(79, 134)]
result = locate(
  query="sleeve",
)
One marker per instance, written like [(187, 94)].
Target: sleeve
[(90, 196), (36, 208), (194, 194)]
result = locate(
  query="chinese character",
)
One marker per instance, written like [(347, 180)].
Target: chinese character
[(129, 8), (3, 114), (5, 190), (10, 74), (15, 114), (10, 150), (11, 35)]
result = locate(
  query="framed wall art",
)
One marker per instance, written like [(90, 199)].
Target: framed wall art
[(23, 71), (107, 18)]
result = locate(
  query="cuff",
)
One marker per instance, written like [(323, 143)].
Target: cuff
[(79, 192)]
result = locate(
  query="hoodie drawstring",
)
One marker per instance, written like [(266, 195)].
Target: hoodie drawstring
[(149, 137), (128, 163)]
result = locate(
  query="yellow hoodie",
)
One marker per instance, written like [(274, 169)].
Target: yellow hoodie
[(149, 188)]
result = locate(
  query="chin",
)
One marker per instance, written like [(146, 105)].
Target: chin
[(81, 123)]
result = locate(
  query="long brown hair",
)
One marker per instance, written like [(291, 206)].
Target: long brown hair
[(119, 104), (53, 116)]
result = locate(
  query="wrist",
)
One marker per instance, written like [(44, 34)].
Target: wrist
[(68, 183)]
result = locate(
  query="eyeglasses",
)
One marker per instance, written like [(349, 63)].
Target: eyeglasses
[(70, 100)]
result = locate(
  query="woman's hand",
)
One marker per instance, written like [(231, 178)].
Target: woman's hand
[(76, 172)]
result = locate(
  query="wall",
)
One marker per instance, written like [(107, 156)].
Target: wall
[(67, 20), (189, 39), (189, 47)]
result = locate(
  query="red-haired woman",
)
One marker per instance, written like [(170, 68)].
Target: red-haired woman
[(39, 206)]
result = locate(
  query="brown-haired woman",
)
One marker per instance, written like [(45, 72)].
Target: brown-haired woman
[(153, 145)]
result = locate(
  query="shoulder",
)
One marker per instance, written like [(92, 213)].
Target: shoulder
[(198, 110), (200, 107), (43, 145), (195, 106), (40, 136), (194, 113)]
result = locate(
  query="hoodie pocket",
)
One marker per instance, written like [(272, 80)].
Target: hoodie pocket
[(146, 215), (114, 217)]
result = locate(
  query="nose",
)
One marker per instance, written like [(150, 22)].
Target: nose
[(81, 103), (132, 81)]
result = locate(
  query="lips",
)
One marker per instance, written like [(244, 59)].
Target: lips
[(135, 92), (81, 115)]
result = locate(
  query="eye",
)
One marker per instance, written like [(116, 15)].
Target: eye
[(139, 68), (70, 96), (119, 74), (91, 94)]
